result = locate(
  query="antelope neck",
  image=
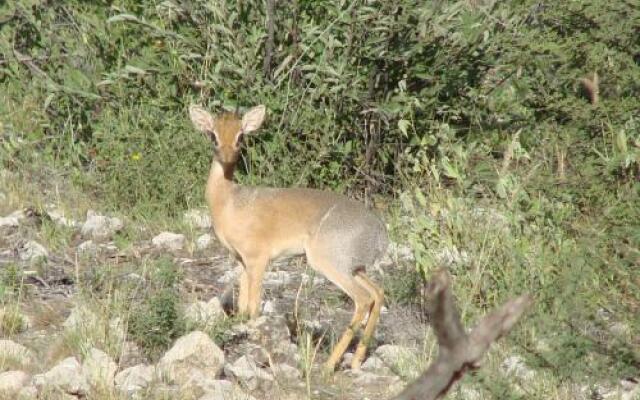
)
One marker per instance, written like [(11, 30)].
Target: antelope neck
[(219, 184)]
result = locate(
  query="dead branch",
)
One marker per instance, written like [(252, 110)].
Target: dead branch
[(591, 86), (269, 45), (458, 352)]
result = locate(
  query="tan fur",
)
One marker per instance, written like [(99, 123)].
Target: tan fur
[(339, 236)]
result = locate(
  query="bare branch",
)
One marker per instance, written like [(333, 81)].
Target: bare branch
[(458, 352), (269, 45)]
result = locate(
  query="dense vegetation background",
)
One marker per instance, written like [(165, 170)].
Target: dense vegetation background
[(445, 113)]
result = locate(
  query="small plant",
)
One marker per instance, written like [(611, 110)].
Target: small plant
[(11, 321), (155, 320)]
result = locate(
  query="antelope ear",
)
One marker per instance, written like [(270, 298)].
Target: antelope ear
[(201, 118), (253, 118)]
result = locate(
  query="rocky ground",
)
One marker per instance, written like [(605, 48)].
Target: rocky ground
[(45, 353), (263, 358)]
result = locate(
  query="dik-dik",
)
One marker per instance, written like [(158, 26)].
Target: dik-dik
[(339, 236)]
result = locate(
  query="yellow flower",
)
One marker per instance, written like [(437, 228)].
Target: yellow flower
[(136, 156)]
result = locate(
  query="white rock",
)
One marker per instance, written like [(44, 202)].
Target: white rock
[(169, 241), (13, 351), (279, 278), (9, 222), (100, 227), (28, 393), (87, 247), (231, 275), (67, 376), (516, 366), (198, 219), (222, 390), (630, 389), (80, 317), (11, 382), (205, 313), (368, 379), (247, 372), (32, 251), (204, 241), (313, 281), (99, 369), (620, 329), (373, 364), (134, 379), (452, 257), (269, 308), (287, 372), (19, 214), (346, 360), (193, 351), (393, 355), (468, 393), (59, 218)]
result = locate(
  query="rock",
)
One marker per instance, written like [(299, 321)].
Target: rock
[(286, 372), (87, 248), (272, 333), (393, 355), (12, 351), (100, 227), (32, 251), (11, 382), (99, 369), (169, 241), (204, 241), (254, 351), (28, 393), (516, 366), (274, 279), (117, 330), (205, 313), (231, 275), (79, 317), (195, 351), (630, 389), (371, 379), (222, 390), (134, 379), (199, 219), (269, 308), (374, 364), (398, 253), (67, 376), (451, 257), (467, 393), (312, 280), (490, 217), (9, 222), (59, 218), (249, 374), (346, 360), (620, 329)]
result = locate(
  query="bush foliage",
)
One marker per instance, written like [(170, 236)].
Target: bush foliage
[(360, 94), (475, 115)]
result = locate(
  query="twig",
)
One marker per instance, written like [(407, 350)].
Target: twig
[(266, 66), (458, 352)]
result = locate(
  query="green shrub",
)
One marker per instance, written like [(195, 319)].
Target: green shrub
[(155, 320), (358, 94)]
